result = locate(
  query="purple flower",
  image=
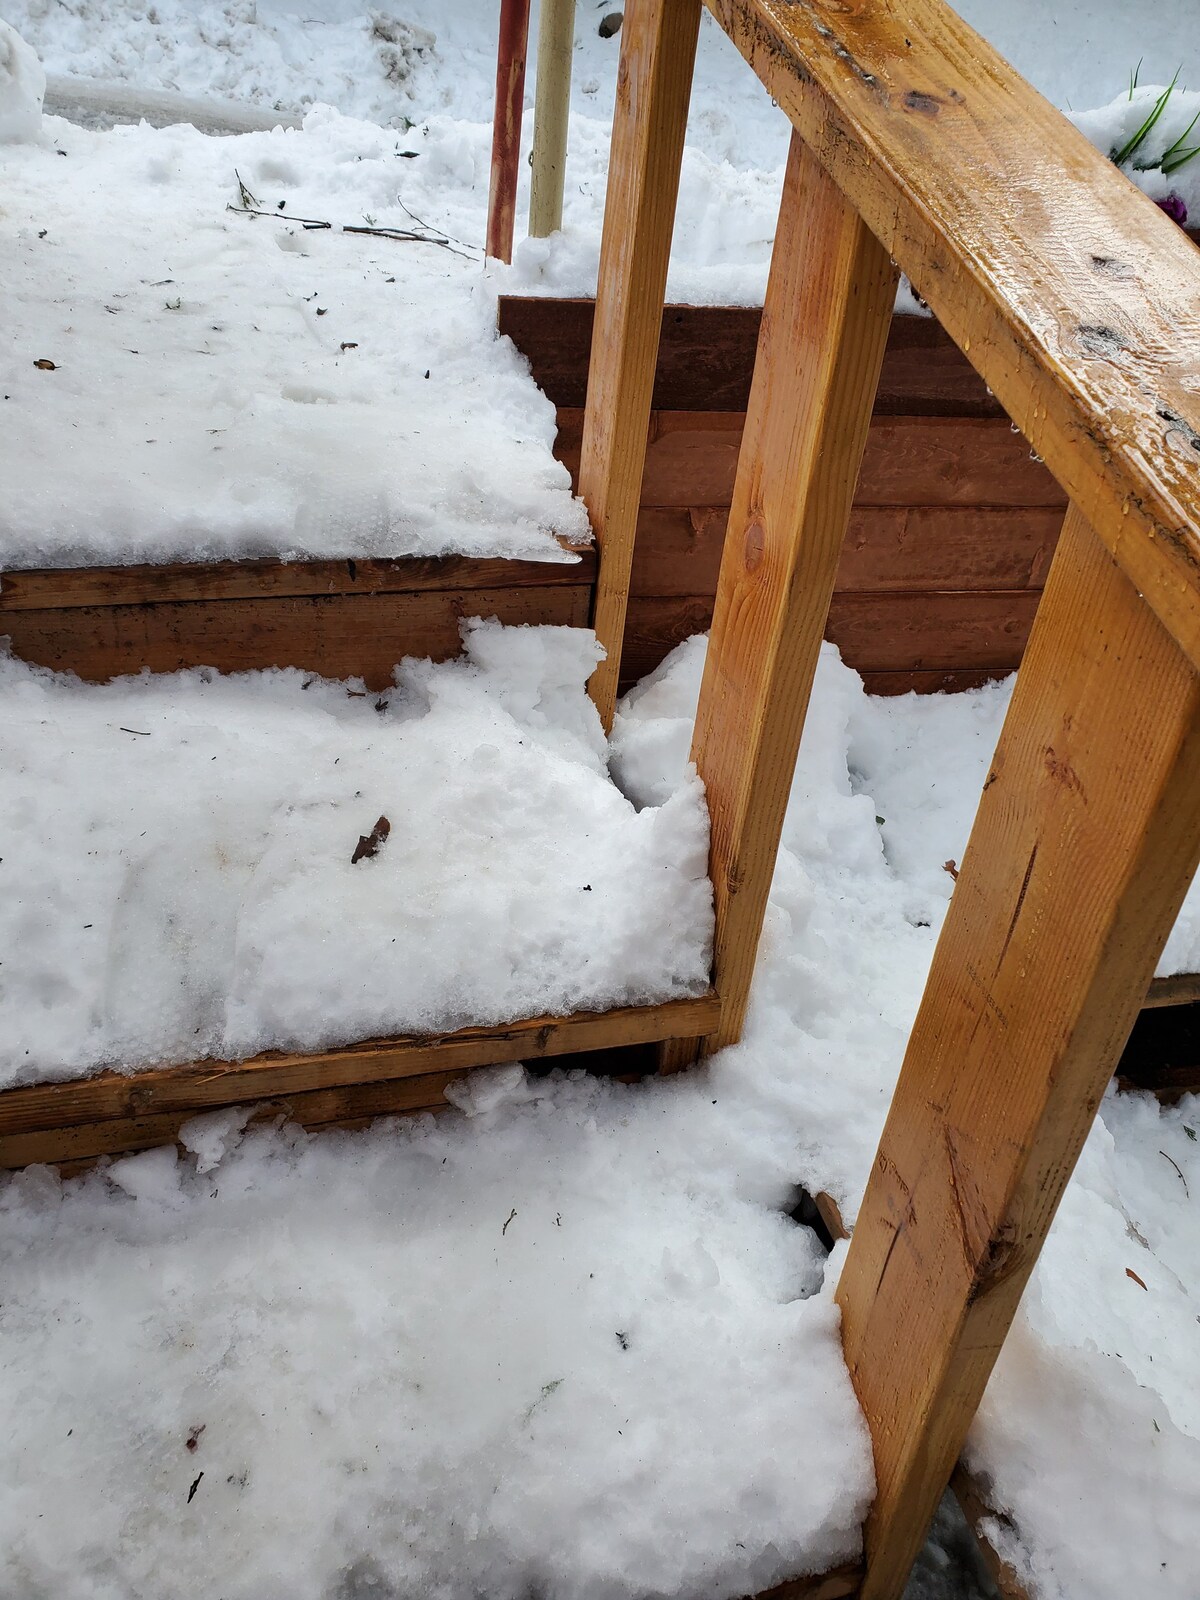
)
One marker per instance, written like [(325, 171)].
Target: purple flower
[(1174, 207)]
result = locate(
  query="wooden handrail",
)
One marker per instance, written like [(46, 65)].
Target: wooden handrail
[(1079, 304), (1074, 297)]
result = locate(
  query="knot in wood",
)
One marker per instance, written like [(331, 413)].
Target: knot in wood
[(754, 545)]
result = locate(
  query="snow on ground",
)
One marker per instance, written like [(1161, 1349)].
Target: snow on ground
[(568, 1346), (632, 1383), (230, 385), (671, 1194), (1090, 1429), (225, 384), (1090, 1432), (177, 863)]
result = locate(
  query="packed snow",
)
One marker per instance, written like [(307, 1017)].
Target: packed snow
[(567, 1346), (562, 1339), (225, 384), (177, 865), (22, 88), (232, 385)]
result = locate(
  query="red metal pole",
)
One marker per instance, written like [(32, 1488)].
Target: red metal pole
[(506, 128)]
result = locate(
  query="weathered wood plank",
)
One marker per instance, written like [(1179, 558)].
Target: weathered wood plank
[(654, 81), (1182, 989), (840, 1584), (1075, 298), (338, 636), (977, 631), (691, 459), (1086, 840), (47, 587), (887, 547), (706, 357), (83, 1142), (183, 1091), (825, 322)]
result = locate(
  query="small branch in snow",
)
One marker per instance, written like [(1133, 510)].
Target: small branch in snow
[(424, 233), (1175, 1164), (511, 1215)]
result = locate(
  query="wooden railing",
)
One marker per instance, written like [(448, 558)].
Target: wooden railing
[(916, 147)]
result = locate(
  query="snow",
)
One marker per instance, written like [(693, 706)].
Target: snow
[(233, 385), (197, 1274), (239, 386), (177, 862), (562, 1339), (1090, 1431), (1093, 1409), (22, 88), (567, 1346)]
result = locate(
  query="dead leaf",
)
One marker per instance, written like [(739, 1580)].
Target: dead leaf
[(46, 366), (1130, 1273), (369, 843), (193, 1438), (952, 868)]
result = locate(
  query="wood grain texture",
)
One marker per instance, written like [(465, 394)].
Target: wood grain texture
[(691, 459), (1075, 298), (706, 358), (876, 633), (124, 1102), (337, 636), (350, 1104), (1181, 989), (887, 547), (512, 46), (825, 322), (1086, 840), (41, 588), (654, 80)]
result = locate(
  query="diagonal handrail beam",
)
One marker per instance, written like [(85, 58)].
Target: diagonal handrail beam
[(1076, 300)]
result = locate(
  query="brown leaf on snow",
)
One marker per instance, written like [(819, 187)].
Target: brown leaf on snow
[(46, 366), (193, 1438), (369, 843), (1130, 1273)]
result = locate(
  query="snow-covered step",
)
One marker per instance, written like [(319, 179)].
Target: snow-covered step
[(184, 877)]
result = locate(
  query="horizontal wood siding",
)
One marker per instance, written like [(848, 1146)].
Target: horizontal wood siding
[(338, 636), (955, 521)]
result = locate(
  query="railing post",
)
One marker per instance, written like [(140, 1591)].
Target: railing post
[(506, 127), (654, 81), (825, 324), (551, 115), (1087, 836)]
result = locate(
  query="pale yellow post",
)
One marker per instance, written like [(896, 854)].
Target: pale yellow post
[(551, 113)]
